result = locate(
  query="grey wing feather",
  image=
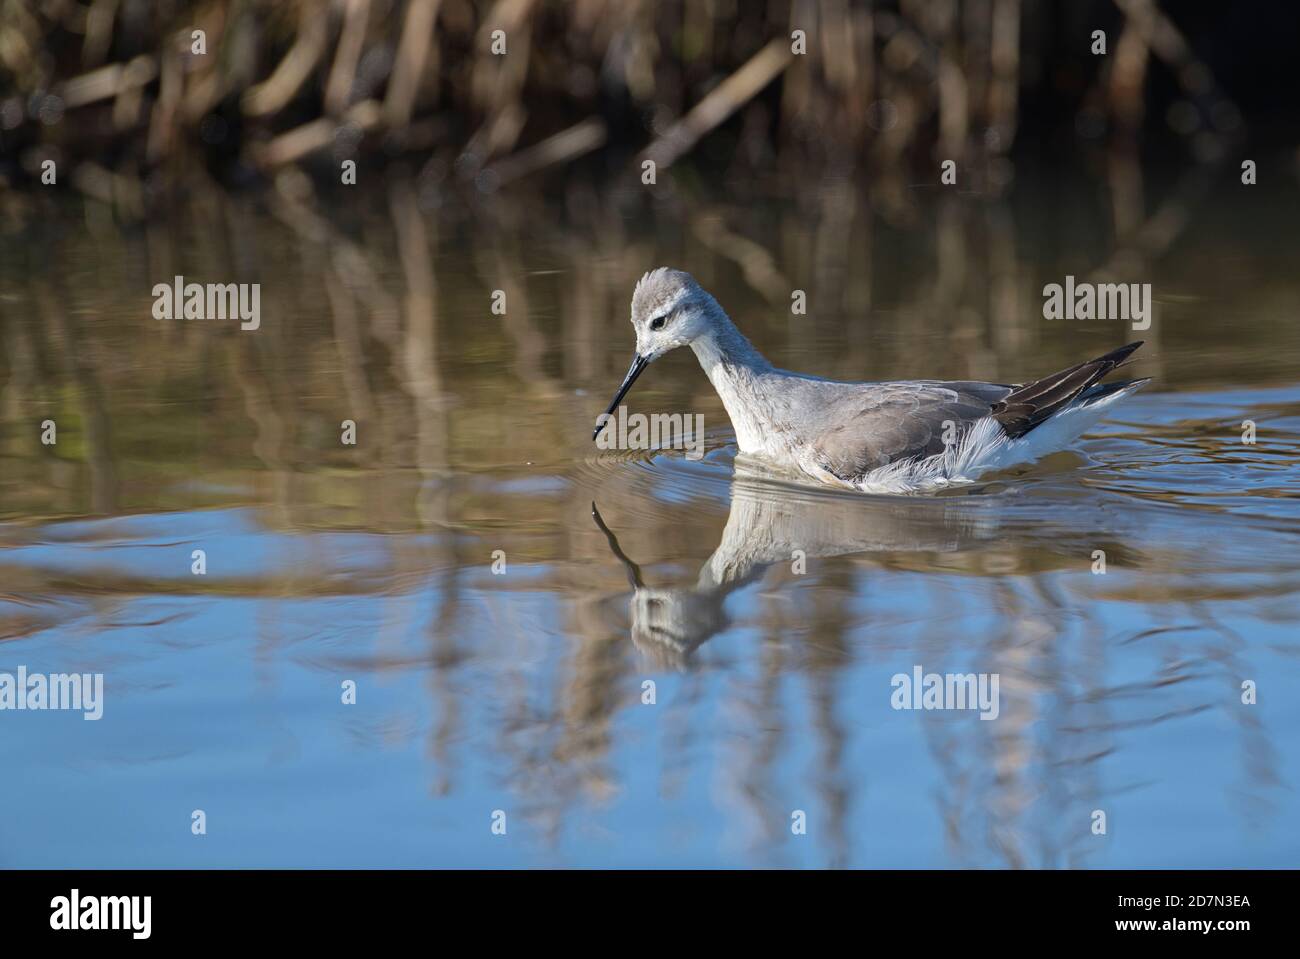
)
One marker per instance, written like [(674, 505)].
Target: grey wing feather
[(887, 422), (880, 423)]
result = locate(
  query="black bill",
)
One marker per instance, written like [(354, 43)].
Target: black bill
[(639, 363)]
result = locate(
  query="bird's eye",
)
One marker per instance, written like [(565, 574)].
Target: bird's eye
[(658, 323)]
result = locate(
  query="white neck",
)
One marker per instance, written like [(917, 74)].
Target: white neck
[(737, 370)]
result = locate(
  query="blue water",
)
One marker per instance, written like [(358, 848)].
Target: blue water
[(490, 694), (1119, 692)]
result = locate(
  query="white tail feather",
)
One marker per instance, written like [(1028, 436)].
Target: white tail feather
[(986, 448)]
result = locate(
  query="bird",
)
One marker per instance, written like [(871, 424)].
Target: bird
[(892, 437)]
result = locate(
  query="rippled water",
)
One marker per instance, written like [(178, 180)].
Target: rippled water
[(770, 617)]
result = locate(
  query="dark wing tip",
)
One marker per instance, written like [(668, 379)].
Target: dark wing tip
[(1029, 405), (1116, 357)]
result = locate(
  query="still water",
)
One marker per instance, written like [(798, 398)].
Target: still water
[(521, 691)]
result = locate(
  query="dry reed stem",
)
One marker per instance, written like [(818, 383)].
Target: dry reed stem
[(721, 102)]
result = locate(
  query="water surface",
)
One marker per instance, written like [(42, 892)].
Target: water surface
[(521, 689)]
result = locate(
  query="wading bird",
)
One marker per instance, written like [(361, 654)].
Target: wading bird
[(907, 436)]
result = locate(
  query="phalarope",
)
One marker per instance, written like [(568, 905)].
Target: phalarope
[(904, 436)]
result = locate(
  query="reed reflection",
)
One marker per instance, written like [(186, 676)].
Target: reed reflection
[(476, 437)]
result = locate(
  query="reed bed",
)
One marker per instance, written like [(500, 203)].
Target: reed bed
[(126, 101)]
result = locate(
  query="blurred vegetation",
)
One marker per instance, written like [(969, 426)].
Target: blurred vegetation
[(114, 93)]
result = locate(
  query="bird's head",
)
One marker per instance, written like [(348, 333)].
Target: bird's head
[(669, 309)]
